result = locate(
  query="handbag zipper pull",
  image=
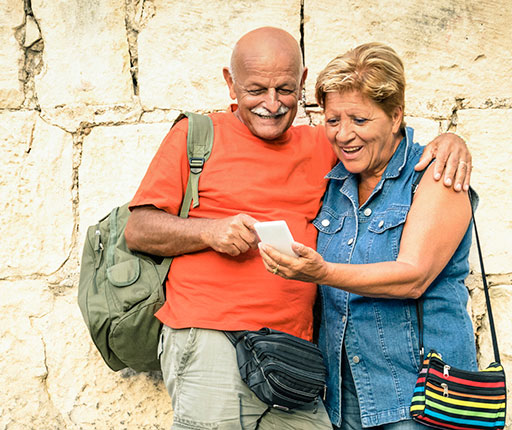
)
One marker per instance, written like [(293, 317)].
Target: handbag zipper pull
[(446, 371), (445, 390)]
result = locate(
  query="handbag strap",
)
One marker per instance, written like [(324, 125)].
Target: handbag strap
[(419, 302), (486, 291), (235, 336)]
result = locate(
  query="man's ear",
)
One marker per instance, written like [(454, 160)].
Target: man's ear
[(229, 80), (303, 78)]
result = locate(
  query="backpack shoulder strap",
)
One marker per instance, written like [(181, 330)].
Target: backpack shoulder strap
[(199, 147)]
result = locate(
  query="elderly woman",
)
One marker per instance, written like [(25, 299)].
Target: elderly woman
[(381, 247)]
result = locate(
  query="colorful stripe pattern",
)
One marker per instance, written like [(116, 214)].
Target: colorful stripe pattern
[(450, 398)]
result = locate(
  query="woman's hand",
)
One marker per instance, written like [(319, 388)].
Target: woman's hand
[(308, 266)]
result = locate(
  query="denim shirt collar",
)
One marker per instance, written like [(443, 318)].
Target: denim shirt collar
[(395, 165)]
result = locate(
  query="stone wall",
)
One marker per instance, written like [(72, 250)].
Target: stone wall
[(88, 89)]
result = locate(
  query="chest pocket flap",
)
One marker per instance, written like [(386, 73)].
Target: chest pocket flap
[(390, 218), (329, 221)]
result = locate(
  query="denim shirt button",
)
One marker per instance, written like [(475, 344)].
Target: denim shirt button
[(355, 359), (343, 319), (350, 241), (381, 223), (367, 212), (325, 222)]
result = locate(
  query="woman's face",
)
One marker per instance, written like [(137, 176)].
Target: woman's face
[(363, 137)]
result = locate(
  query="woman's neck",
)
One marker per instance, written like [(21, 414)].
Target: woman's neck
[(366, 187)]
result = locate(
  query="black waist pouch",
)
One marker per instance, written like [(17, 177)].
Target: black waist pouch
[(284, 371)]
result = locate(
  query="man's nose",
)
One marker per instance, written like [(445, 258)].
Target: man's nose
[(272, 102)]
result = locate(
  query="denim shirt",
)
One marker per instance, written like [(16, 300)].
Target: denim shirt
[(381, 335)]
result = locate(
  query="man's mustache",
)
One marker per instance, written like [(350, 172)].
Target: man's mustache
[(261, 111)]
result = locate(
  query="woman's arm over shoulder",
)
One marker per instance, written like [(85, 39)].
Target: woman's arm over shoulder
[(435, 225), (437, 221)]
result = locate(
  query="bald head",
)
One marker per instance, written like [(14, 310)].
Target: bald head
[(270, 43), (266, 78)]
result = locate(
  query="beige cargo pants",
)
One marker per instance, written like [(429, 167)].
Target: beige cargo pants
[(201, 375)]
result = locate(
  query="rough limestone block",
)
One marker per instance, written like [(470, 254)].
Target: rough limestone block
[(72, 117), (36, 218), (501, 301), (11, 54), (501, 297), (450, 48), (184, 46), (32, 33), (425, 130), (124, 400), (54, 378), (86, 58), (95, 397), (159, 115), (24, 400), (114, 161), (488, 135)]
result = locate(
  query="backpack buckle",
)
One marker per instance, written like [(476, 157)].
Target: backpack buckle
[(196, 164)]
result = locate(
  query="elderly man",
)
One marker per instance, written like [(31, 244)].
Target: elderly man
[(261, 168)]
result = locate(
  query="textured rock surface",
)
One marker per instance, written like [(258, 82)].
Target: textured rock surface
[(177, 72), (470, 41), (36, 216), (117, 157), (488, 135), (86, 57), (501, 297), (23, 368), (11, 54), (54, 376), (88, 90)]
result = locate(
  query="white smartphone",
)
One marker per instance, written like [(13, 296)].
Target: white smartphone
[(276, 234)]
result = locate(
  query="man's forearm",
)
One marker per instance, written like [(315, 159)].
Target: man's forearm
[(157, 232)]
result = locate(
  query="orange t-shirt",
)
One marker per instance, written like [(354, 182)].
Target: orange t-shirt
[(268, 181)]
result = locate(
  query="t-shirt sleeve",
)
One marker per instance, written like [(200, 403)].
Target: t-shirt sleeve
[(325, 147), (163, 185)]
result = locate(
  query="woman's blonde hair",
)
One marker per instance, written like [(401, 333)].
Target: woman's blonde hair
[(374, 69)]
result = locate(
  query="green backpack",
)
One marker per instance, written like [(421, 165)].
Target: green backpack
[(119, 290)]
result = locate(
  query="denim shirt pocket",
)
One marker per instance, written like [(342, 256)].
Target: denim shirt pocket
[(387, 227), (328, 222)]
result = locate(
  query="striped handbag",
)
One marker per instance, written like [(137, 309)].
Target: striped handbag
[(450, 398)]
